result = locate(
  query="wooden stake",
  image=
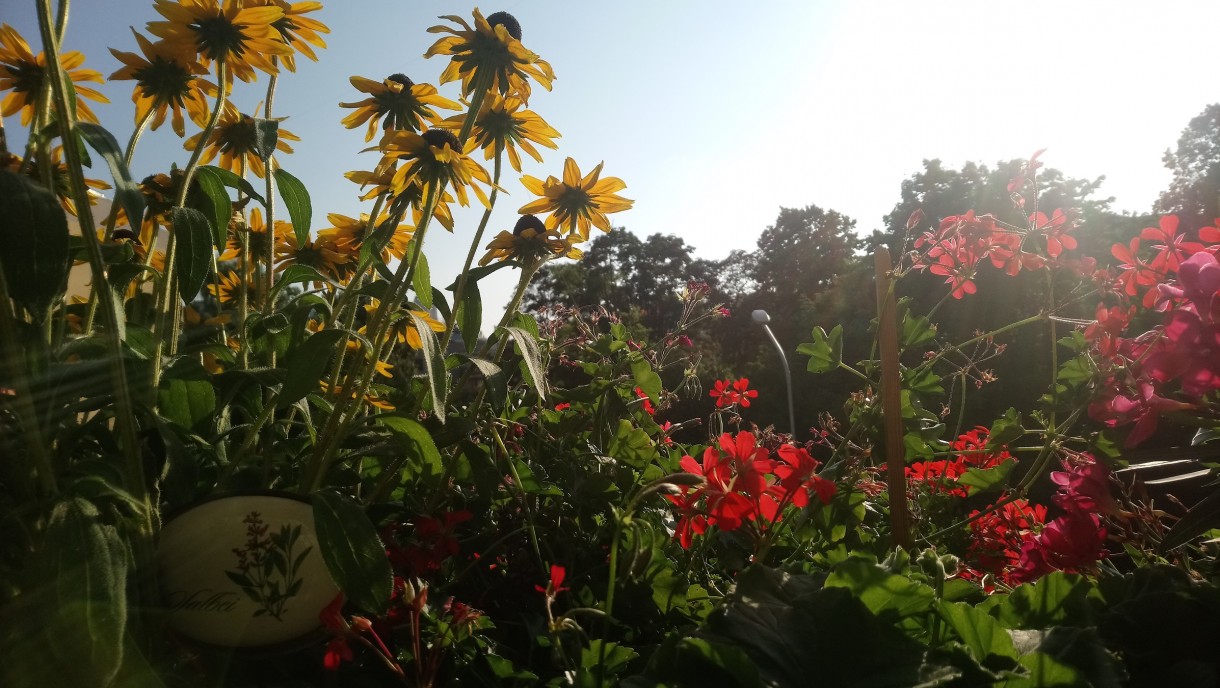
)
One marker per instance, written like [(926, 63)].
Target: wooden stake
[(891, 400)]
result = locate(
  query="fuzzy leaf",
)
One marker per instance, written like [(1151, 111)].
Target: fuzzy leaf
[(193, 255), (34, 234), (296, 200), (126, 193), (353, 553)]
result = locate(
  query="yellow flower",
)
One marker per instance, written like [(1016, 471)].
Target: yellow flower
[(530, 241), (61, 181), (245, 37), (21, 72), (297, 30), (489, 55), (320, 254), (235, 139), (403, 103), (230, 287), (404, 327), (382, 179), (433, 159), (347, 234), (256, 234), (164, 80), (576, 203), (501, 123), (370, 398)]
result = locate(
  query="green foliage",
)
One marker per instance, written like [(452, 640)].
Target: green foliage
[(353, 553), (34, 232)]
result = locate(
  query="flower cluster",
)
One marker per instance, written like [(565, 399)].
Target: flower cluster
[(420, 552), (1075, 540), (941, 476), (744, 484), (733, 392), (1181, 278)]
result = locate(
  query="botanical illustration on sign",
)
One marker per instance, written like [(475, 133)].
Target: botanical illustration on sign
[(267, 567)]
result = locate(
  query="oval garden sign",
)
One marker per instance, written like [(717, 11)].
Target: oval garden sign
[(244, 570)]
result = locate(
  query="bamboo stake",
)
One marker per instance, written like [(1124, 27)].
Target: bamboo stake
[(891, 400)]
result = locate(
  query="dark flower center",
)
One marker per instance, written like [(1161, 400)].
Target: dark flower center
[(217, 36), (440, 137), (400, 79), (164, 80), (529, 222), (508, 21)]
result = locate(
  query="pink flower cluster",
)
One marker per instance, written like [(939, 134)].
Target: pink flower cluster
[(1075, 540), (1181, 278)]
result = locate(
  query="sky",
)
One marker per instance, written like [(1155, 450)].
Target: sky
[(716, 114)]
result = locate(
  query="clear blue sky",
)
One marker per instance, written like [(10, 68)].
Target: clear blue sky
[(717, 113)]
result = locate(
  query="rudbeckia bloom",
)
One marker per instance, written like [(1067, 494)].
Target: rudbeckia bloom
[(404, 327), (576, 203), (320, 254), (256, 234), (347, 234), (403, 103), (502, 124), (433, 159), (382, 179), (234, 140), (21, 72), (245, 37), (530, 241), (297, 30), (489, 55), (229, 287), (164, 80), (61, 181)]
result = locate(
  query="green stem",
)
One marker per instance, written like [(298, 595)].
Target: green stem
[(986, 335), (464, 277), (168, 303), (124, 416), (345, 317), (248, 442)]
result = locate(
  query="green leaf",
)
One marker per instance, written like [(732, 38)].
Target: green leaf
[(493, 378), (83, 566), (233, 181), (645, 378), (631, 445), (296, 200), (1057, 599), (353, 553), (916, 330), (126, 193), (295, 274), (879, 589), (424, 457), (421, 282), (1199, 519), (470, 315), (266, 136), (193, 252), (441, 305), (1045, 672), (306, 364), (527, 346), (985, 479), (186, 396), (209, 197), (825, 351), (978, 631), (1005, 430), (479, 273), (34, 234), (434, 364)]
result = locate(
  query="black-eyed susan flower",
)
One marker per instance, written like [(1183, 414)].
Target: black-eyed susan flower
[(529, 242), (61, 181), (245, 36), (502, 124), (489, 55), (22, 73), (576, 202), (165, 80), (433, 159), (404, 327), (235, 140), (402, 103), (228, 287), (255, 231), (320, 254), (372, 397), (347, 234), (297, 30)]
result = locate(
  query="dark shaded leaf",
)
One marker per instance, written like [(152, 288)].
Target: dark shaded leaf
[(434, 364), (193, 252), (34, 234), (307, 363), (266, 135), (126, 193), (1199, 519), (421, 282), (209, 197), (527, 346), (470, 315), (296, 200), (233, 181), (353, 553)]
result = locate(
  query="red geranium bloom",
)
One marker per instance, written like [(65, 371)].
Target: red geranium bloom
[(1173, 247), (1056, 230), (555, 585), (1084, 486), (1134, 273), (646, 404)]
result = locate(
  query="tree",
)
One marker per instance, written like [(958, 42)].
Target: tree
[(1194, 193)]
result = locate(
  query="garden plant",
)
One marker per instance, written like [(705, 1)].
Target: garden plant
[(519, 506)]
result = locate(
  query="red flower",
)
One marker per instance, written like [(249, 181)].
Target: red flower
[(729, 392), (998, 538), (1056, 230), (1134, 272), (1072, 543), (647, 404), (1084, 486), (431, 542), (1174, 247), (563, 407), (555, 585)]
